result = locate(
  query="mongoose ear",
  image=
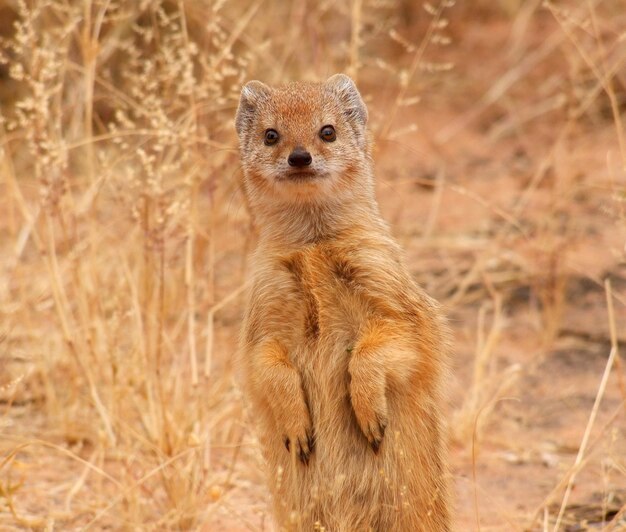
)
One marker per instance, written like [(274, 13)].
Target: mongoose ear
[(252, 93), (349, 95)]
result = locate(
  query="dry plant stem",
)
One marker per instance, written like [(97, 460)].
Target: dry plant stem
[(143, 133), (599, 87), (504, 231), (465, 192), (440, 183), (417, 58), (18, 197), (160, 322), (296, 24), (484, 348), (355, 39), (499, 89), (62, 306), (190, 282), (605, 78), (496, 243), (475, 479), (112, 90), (482, 398), (90, 47), (611, 526), (546, 163), (503, 85), (520, 26), (62, 450), (78, 485), (192, 223), (476, 509), (239, 29), (210, 324), (495, 506), (594, 410), (135, 485), (143, 349), (619, 369), (211, 283), (562, 483)]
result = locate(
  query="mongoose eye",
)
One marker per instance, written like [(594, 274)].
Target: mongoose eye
[(327, 134), (271, 137)]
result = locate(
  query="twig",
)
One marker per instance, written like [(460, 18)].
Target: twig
[(210, 318), (594, 412)]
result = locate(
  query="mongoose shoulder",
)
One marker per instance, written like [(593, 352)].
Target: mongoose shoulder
[(344, 356)]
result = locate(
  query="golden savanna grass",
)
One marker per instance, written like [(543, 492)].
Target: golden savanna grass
[(501, 161)]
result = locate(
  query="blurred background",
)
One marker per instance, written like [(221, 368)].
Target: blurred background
[(500, 152)]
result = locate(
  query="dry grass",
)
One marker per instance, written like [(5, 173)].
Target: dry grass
[(123, 238)]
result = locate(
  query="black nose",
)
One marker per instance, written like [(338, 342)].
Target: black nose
[(299, 157)]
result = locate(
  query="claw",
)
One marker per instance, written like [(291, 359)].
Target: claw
[(303, 450), (375, 445), (304, 456), (377, 440), (310, 440)]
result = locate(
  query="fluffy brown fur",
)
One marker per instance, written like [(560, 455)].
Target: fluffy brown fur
[(344, 355)]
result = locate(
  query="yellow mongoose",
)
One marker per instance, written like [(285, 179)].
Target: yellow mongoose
[(344, 355)]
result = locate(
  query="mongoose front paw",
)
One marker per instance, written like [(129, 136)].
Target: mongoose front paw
[(375, 434), (305, 444), (373, 425), (367, 394)]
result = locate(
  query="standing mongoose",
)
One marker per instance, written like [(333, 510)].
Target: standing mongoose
[(344, 356)]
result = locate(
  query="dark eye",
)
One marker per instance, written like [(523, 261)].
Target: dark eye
[(327, 134), (271, 137)]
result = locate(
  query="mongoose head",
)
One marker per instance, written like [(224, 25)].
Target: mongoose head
[(303, 142)]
